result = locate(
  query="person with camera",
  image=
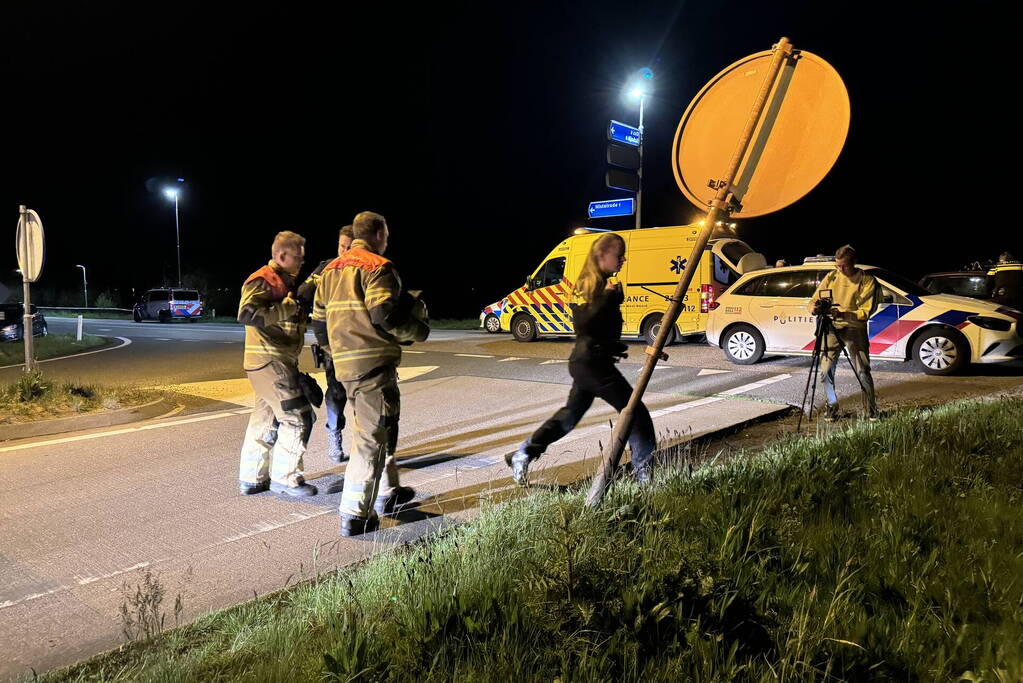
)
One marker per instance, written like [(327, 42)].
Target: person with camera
[(845, 299), (368, 317), (597, 318), (282, 418), (335, 397)]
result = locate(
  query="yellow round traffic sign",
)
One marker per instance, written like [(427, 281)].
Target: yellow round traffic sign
[(795, 143), (31, 245)]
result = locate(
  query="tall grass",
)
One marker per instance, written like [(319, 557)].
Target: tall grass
[(884, 551)]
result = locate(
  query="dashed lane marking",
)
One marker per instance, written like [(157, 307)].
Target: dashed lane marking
[(505, 360), (472, 355), (551, 362), (704, 373)]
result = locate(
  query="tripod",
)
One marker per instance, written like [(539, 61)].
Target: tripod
[(824, 327)]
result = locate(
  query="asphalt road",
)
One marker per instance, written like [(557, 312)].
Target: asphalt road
[(83, 514)]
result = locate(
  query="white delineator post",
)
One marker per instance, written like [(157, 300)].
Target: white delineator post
[(78, 333)]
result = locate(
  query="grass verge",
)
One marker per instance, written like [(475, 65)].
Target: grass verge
[(50, 346), (36, 397), (455, 324), (889, 550)]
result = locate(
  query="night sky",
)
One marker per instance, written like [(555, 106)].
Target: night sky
[(477, 129)]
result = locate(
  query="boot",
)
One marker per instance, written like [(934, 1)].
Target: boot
[(248, 488), (334, 451), (831, 412), (392, 503), (519, 462), (356, 526), (303, 490)]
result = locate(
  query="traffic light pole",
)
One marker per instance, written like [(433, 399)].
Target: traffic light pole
[(639, 171), (720, 207)]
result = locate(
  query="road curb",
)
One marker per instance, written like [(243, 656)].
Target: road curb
[(108, 418)]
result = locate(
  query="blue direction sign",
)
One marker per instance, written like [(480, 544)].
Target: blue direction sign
[(612, 207), (623, 133)]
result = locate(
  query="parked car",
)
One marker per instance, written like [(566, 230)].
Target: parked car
[(971, 283), (490, 318), (12, 323), (166, 304), (766, 312), (1001, 283)]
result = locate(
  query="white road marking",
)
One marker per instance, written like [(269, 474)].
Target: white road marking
[(163, 339), (551, 362), (719, 397), (703, 373), (407, 351), (404, 374), (124, 342), (80, 581), (472, 355), (505, 360)]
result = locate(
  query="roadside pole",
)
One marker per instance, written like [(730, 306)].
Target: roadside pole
[(719, 207), (31, 252)]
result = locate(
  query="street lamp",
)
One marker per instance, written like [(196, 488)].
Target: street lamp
[(85, 285), (172, 193), (637, 91)]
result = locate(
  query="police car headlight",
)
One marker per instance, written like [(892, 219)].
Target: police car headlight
[(989, 323)]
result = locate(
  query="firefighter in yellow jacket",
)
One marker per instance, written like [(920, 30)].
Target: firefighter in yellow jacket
[(367, 316), (282, 419)]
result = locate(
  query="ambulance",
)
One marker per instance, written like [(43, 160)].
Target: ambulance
[(655, 260)]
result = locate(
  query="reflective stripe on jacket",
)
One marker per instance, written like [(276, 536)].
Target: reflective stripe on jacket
[(274, 325), (360, 303)]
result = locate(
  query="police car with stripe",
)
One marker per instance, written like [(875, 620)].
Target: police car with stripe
[(765, 311)]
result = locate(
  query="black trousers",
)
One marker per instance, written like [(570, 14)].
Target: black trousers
[(597, 379)]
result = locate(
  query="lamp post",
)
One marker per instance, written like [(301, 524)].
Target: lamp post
[(638, 91), (173, 193), (85, 285)]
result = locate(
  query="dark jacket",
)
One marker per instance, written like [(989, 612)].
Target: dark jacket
[(598, 328)]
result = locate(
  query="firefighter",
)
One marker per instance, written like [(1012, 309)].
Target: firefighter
[(368, 316), (335, 397), (282, 418)]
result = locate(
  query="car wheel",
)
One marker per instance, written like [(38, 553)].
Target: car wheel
[(652, 326), (941, 351), (192, 320), (165, 316), (743, 345), (523, 328), (491, 323), (136, 315)]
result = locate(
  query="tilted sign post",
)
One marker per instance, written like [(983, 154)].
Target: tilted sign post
[(31, 253), (798, 117)]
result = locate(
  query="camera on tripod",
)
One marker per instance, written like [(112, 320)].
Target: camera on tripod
[(823, 305)]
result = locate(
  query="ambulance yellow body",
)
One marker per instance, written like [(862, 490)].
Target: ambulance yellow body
[(655, 259)]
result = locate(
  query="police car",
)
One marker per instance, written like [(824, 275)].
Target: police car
[(765, 311), (166, 304), (490, 318)]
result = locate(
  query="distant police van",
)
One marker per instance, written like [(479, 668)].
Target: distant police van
[(655, 259), (166, 304)]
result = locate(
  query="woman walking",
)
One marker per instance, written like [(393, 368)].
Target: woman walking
[(597, 317)]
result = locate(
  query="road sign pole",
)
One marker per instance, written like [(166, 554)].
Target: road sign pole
[(26, 319), (639, 171), (719, 207)]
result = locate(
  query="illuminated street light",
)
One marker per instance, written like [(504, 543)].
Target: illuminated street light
[(172, 192), (85, 285), (638, 90)]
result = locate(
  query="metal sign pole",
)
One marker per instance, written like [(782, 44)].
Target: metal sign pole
[(719, 207), (639, 171), (26, 319)]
